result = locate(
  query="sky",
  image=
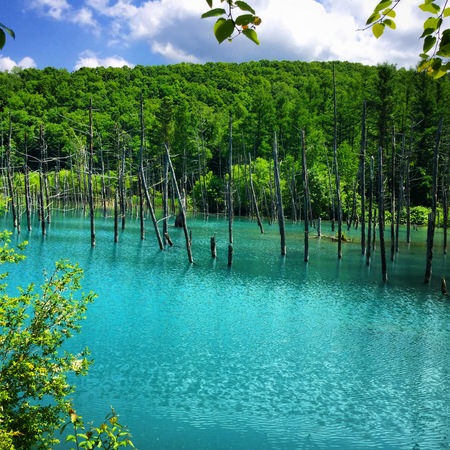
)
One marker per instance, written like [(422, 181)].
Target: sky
[(72, 34)]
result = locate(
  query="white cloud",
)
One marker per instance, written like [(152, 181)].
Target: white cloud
[(54, 8), (7, 64), (61, 10), (90, 59), (291, 29), (173, 54)]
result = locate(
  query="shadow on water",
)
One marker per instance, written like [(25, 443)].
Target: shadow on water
[(272, 353)]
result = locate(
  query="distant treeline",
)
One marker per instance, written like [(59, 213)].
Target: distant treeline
[(47, 125)]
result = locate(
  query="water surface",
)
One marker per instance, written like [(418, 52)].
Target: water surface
[(274, 353)]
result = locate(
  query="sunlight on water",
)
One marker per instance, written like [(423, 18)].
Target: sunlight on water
[(270, 354)]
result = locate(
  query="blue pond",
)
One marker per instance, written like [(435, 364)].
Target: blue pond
[(274, 353)]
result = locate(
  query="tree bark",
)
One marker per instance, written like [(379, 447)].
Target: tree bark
[(432, 215), (182, 208), (381, 215), (279, 197), (305, 195)]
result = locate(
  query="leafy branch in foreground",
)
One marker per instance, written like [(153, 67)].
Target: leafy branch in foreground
[(435, 56), (109, 435), (3, 31), (228, 23), (33, 368)]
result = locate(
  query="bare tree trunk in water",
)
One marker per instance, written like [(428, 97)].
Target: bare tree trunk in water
[(370, 216), (41, 182), (230, 193), (305, 196), (432, 215), (26, 174), (279, 197), (165, 196), (182, 206), (401, 188), (393, 210), (255, 202), (408, 187), (91, 168), (362, 174), (116, 215), (445, 189), (336, 168), (10, 175), (381, 215)]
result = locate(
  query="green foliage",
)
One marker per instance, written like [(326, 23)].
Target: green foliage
[(188, 106), (436, 41), (419, 215), (109, 435), (228, 23), (33, 368)]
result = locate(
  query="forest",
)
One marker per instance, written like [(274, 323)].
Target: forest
[(108, 132)]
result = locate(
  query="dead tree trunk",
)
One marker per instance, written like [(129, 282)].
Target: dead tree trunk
[(41, 182), (401, 187), (26, 176), (255, 202), (445, 194), (393, 209), (305, 195), (408, 186), (381, 215), (181, 202), (432, 215), (165, 196), (9, 174), (116, 215), (370, 215), (336, 169), (280, 211), (362, 175), (90, 171), (230, 193)]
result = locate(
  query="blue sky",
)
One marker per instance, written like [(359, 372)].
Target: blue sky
[(75, 33)]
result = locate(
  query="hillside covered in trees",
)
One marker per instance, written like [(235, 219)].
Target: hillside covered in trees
[(47, 125)]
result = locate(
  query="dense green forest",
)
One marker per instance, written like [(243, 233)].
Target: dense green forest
[(48, 126)]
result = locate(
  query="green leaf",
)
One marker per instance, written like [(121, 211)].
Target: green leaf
[(214, 13), (245, 7), (444, 50), (209, 3), (427, 32), (446, 12), (390, 23), (383, 5), (244, 19), (223, 29), (430, 7), (373, 18), (251, 34), (432, 22), (8, 30), (2, 38), (378, 29), (389, 13), (428, 43)]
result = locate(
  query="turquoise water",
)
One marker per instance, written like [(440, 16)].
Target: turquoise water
[(273, 353)]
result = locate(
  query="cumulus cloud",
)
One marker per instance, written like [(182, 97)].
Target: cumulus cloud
[(7, 64), (61, 10), (54, 8), (90, 59), (291, 30)]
